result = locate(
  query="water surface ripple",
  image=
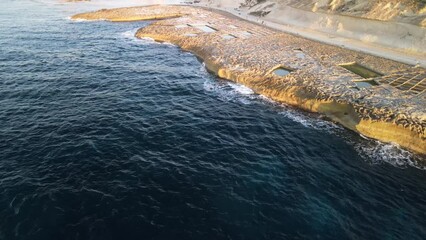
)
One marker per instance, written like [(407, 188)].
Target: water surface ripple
[(103, 136)]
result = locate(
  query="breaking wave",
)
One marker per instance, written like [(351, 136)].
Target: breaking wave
[(309, 120), (130, 35), (376, 152), (104, 136), (228, 91), (372, 151)]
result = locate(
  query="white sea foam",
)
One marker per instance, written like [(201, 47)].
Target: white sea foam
[(129, 34), (379, 153), (151, 40), (241, 89), (145, 40), (82, 20), (374, 151), (370, 150), (309, 120), (229, 91), (233, 91), (266, 99), (168, 44)]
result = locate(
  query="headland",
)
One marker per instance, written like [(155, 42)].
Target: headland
[(376, 97)]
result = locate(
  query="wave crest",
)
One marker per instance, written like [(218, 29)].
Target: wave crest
[(377, 152)]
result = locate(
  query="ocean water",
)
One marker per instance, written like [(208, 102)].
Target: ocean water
[(104, 136)]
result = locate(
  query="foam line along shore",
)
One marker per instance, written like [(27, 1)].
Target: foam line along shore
[(379, 98)]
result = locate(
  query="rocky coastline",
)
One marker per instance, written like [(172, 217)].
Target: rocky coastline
[(388, 106)]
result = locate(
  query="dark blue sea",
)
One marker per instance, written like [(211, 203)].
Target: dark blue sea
[(104, 136)]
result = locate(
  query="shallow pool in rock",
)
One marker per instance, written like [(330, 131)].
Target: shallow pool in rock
[(206, 28), (282, 72), (366, 84)]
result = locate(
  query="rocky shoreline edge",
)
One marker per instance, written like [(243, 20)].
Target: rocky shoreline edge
[(295, 71)]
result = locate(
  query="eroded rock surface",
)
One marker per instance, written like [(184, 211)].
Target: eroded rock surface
[(389, 107)]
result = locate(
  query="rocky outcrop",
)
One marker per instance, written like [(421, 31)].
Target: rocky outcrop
[(248, 53)]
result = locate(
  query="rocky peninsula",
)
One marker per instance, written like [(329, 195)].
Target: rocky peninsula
[(376, 97)]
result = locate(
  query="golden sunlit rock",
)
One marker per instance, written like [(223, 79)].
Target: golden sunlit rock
[(377, 97)]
